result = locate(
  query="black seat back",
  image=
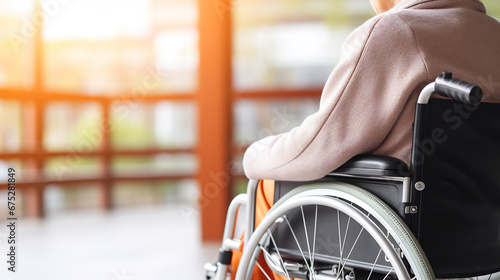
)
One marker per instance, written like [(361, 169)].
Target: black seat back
[(457, 157)]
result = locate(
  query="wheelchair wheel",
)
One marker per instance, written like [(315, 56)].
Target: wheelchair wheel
[(333, 231)]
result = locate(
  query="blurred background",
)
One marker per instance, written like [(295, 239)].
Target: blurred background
[(126, 121)]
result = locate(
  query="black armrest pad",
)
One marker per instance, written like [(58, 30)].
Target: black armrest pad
[(370, 165)]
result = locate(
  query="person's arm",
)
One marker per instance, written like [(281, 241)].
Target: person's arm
[(360, 103)]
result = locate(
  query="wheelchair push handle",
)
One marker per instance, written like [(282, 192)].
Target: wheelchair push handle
[(461, 91)]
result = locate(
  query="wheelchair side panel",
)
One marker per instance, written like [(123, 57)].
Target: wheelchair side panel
[(327, 249)]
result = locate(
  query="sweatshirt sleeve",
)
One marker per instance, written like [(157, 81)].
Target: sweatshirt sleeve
[(360, 103)]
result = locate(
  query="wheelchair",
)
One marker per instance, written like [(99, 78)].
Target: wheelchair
[(377, 218)]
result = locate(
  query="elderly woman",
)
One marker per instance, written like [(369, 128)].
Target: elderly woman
[(367, 105)]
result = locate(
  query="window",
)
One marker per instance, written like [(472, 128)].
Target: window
[(98, 95)]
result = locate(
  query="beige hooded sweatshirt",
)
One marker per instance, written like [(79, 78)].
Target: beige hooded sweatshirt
[(368, 102)]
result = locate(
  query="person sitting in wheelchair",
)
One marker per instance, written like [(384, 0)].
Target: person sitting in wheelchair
[(367, 107)]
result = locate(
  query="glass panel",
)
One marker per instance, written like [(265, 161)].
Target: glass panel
[(133, 193), (254, 120), (72, 166), (16, 43), (161, 164), (291, 44), (70, 197), (11, 135), (177, 57), (162, 125), (72, 127), (127, 47), (175, 124)]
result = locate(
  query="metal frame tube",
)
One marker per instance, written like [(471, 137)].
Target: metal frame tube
[(251, 199), (426, 93), (238, 201)]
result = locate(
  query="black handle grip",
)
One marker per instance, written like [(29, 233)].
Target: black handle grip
[(461, 91)]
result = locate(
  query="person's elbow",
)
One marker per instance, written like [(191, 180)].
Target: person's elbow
[(250, 164), (256, 167)]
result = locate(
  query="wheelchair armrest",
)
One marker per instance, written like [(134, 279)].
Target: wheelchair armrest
[(371, 165)]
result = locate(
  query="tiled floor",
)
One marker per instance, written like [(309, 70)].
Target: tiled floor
[(160, 242)]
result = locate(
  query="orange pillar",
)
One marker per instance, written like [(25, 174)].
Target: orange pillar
[(34, 127), (33, 136), (105, 191), (214, 116)]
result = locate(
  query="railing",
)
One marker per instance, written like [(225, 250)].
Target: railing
[(214, 99)]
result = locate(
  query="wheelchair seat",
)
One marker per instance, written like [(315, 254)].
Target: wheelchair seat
[(373, 165)]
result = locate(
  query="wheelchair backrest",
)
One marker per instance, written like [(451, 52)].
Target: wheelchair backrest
[(456, 178)]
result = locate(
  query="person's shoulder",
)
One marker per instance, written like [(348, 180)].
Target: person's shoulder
[(392, 23), (385, 27), (364, 30)]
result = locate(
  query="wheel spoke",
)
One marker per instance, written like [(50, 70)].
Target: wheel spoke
[(342, 245), (340, 238), (267, 254), (305, 231), (314, 237), (352, 248), (388, 273), (307, 241), (345, 235), (298, 245), (279, 254), (376, 260), (374, 263)]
